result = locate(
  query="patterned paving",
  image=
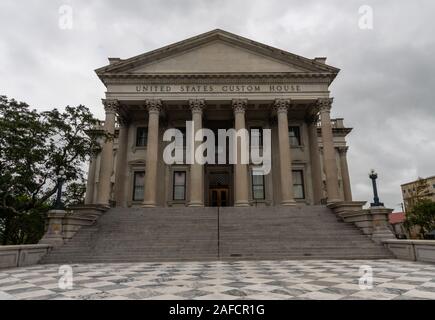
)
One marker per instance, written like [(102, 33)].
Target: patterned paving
[(392, 279)]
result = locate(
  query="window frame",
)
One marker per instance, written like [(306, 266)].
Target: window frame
[(297, 136), (260, 130), (301, 184), (135, 173), (145, 130), (184, 185), (263, 185)]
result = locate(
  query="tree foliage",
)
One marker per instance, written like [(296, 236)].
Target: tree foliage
[(422, 216), (34, 146)]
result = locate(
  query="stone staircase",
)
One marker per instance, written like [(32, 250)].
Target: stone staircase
[(182, 234)]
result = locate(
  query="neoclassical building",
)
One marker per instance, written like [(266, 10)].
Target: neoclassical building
[(219, 80)]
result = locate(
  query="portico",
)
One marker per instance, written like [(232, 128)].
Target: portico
[(219, 81)]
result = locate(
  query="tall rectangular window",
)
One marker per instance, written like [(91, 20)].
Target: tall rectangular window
[(298, 184), (141, 137), (179, 185), (258, 187), (138, 185), (256, 136), (181, 142), (294, 134)]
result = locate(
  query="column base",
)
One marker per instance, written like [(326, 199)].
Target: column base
[(195, 204), (332, 201), (242, 203), (288, 203), (149, 204)]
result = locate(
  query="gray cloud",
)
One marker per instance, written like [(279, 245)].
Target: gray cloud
[(385, 89)]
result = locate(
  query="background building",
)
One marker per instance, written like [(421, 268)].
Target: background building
[(422, 188)]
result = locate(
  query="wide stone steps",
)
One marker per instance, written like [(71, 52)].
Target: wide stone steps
[(186, 234)]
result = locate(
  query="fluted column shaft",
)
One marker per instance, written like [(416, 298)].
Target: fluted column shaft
[(329, 158), (241, 198), (121, 163), (106, 163), (150, 192), (347, 191), (196, 169), (316, 171), (286, 175)]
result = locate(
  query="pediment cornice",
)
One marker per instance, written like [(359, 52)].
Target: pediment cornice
[(123, 68)]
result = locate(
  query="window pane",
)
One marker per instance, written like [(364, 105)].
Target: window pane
[(298, 184), (141, 137), (258, 192), (258, 187), (138, 187), (179, 185), (298, 192), (179, 193), (257, 179), (179, 178), (297, 177), (294, 136), (180, 141), (256, 137)]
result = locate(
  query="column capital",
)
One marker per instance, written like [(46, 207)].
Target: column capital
[(110, 105), (282, 105), (153, 105), (342, 150), (123, 121), (325, 104), (197, 105), (240, 105)]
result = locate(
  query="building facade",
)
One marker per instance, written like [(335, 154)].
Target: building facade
[(423, 188), (219, 80)]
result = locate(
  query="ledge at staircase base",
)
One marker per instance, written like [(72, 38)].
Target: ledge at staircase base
[(373, 222), (62, 225)]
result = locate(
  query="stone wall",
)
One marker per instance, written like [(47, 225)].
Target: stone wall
[(22, 255), (414, 250)]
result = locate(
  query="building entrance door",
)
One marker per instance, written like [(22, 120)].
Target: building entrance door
[(218, 197)]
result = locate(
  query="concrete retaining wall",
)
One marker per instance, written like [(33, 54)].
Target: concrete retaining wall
[(23, 255), (415, 250)]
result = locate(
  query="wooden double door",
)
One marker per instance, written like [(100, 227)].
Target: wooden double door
[(219, 197)]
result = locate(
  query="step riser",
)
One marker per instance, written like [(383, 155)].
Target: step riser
[(187, 234)]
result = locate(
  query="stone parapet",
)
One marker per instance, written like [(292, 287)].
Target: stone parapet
[(22, 255), (414, 250)]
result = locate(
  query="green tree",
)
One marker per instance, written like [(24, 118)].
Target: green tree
[(422, 216), (34, 146)]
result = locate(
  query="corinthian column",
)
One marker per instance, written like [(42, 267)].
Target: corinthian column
[(196, 169), (330, 163), (345, 173), (90, 185), (285, 161), (150, 194), (106, 163), (121, 163), (240, 169)]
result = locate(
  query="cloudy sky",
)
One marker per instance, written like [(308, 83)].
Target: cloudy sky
[(386, 88)]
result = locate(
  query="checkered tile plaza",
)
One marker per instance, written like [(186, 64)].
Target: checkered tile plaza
[(312, 279)]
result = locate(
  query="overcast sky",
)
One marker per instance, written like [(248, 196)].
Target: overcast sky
[(385, 89)]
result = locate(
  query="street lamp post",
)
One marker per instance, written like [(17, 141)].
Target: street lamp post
[(60, 179), (373, 175)]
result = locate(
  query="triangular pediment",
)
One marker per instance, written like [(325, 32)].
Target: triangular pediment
[(216, 52), (217, 57)]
